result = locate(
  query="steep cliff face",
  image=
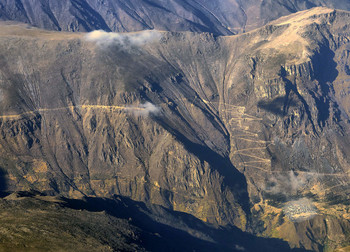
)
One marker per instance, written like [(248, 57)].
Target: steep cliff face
[(250, 130), (79, 123)]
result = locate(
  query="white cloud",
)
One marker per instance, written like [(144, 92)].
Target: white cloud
[(144, 109), (103, 38), (239, 248), (290, 183), (150, 108)]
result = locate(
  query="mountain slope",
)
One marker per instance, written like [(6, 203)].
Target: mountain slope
[(219, 17), (241, 130), (131, 15), (34, 222)]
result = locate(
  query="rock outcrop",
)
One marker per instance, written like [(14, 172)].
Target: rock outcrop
[(228, 129)]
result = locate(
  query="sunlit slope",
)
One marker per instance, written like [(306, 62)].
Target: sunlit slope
[(229, 129), (220, 17)]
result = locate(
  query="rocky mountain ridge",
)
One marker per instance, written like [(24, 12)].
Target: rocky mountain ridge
[(229, 129), (222, 17)]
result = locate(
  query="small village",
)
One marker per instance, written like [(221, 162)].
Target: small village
[(300, 210)]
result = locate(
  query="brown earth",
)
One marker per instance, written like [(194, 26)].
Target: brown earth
[(227, 129)]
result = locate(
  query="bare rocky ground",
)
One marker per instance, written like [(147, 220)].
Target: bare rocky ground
[(226, 129), (31, 221), (224, 17)]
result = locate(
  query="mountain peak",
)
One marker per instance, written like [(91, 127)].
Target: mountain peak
[(304, 17), (249, 131)]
